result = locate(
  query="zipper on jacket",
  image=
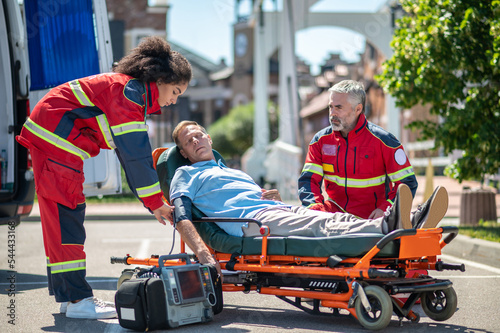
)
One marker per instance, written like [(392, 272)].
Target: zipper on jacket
[(338, 153), (375, 195), (354, 166)]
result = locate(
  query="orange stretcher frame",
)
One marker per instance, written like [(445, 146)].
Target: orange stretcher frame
[(373, 286)]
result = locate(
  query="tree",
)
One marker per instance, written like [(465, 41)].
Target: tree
[(447, 54), (233, 134)]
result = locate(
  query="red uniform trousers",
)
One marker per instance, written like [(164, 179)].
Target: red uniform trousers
[(59, 188)]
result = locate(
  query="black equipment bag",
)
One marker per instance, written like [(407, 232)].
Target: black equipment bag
[(141, 304)]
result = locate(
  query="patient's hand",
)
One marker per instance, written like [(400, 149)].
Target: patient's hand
[(164, 211), (376, 214), (270, 195)]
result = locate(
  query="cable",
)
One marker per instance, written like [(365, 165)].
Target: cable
[(173, 241)]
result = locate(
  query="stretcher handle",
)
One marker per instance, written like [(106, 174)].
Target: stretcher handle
[(394, 235), (183, 256), (228, 219), (441, 266), (120, 260), (452, 230)]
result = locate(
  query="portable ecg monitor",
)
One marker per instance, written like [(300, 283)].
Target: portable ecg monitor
[(190, 285)]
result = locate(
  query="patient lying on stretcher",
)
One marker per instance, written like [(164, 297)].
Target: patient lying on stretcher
[(219, 191)]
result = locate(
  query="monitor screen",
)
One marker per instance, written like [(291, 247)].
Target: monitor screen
[(190, 284)]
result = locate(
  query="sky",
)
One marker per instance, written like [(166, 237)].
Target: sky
[(205, 27)]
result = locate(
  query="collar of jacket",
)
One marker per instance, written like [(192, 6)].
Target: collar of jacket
[(151, 98), (362, 122)]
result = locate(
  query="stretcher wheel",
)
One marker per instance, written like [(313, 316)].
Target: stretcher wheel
[(126, 275), (381, 309), (439, 305)]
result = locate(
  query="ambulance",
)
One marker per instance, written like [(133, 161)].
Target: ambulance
[(44, 44)]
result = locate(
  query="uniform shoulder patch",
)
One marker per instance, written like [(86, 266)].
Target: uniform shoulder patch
[(325, 131), (387, 138), (400, 156), (133, 91)]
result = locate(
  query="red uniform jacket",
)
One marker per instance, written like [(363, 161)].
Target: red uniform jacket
[(360, 173), (105, 111)]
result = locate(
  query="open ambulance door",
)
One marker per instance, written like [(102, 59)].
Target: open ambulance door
[(68, 40)]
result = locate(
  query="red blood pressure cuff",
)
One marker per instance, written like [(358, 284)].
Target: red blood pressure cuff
[(182, 210)]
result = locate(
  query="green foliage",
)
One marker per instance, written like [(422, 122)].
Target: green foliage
[(447, 54), (232, 134), (487, 230)]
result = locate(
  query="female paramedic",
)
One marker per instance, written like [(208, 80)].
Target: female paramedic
[(73, 122)]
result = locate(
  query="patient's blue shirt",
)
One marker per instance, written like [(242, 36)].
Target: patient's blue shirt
[(219, 191)]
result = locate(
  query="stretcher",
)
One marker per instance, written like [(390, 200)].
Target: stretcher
[(364, 275)]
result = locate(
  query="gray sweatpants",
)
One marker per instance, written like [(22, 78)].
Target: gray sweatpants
[(300, 221)]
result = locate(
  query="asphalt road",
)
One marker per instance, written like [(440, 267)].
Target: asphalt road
[(24, 300)]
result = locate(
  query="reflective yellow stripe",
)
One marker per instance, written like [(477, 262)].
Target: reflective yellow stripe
[(148, 190), (394, 177), (134, 126), (79, 93), (314, 168), (57, 141), (102, 121), (67, 266), (341, 181)]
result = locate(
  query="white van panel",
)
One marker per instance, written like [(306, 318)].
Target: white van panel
[(102, 174), (6, 98)]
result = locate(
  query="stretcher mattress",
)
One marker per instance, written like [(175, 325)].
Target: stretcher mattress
[(353, 245)]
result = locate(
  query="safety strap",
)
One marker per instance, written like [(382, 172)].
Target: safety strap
[(230, 264)]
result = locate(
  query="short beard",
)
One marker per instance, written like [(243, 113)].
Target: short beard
[(336, 127)]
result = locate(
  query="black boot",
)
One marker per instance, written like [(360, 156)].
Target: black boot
[(398, 216), (432, 211)]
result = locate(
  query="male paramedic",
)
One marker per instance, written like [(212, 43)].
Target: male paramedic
[(360, 164), (73, 122), (219, 191)]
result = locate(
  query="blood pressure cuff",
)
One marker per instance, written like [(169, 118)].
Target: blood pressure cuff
[(182, 209)]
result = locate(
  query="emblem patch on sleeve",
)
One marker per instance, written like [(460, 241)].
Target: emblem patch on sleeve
[(330, 150), (400, 156)]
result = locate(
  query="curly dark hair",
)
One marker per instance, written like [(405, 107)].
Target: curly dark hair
[(153, 60)]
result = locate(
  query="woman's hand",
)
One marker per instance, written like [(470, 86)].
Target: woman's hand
[(270, 195), (164, 211)]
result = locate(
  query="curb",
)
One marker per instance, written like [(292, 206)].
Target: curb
[(473, 249)]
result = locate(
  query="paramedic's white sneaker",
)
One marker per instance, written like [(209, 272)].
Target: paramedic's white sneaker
[(64, 306), (90, 308)]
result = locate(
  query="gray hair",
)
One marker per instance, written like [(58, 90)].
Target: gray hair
[(355, 89)]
